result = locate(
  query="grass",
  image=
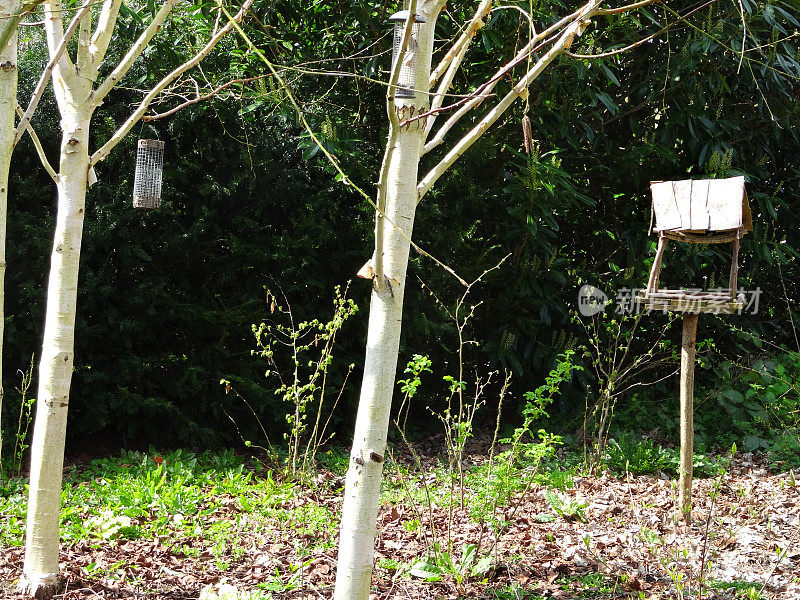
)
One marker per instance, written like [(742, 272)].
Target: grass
[(589, 585), (178, 495), (219, 509)]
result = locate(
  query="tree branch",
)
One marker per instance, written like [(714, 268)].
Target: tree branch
[(479, 94), (102, 33), (576, 28), (193, 62), (12, 21), (39, 149), (45, 76), (199, 98), (643, 40), (54, 29), (622, 9), (82, 57), (461, 44), (474, 100), (454, 58), (135, 51)]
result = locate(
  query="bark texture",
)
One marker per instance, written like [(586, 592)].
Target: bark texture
[(363, 482), (8, 107), (687, 414), (41, 576)]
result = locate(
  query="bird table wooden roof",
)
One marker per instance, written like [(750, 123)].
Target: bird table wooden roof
[(701, 210), (704, 211)]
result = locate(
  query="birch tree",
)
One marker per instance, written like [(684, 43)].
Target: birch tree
[(11, 14), (79, 90), (412, 134), (8, 105)]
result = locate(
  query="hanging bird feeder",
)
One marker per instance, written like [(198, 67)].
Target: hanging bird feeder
[(149, 171), (406, 80)]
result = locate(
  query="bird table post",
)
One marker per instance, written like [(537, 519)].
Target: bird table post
[(703, 211), (687, 413)]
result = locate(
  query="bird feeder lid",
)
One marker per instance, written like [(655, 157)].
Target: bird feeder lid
[(403, 15), (701, 206)]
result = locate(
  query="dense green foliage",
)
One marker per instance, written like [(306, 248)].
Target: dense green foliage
[(167, 298)]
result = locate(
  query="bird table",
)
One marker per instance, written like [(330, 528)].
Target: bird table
[(700, 211)]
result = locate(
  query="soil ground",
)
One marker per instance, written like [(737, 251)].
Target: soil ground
[(628, 544)]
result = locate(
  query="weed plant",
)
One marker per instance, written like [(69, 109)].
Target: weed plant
[(299, 355), (493, 486), (642, 456), (10, 468)]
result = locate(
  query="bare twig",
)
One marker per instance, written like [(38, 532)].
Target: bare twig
[(39, 149), (200, 98)]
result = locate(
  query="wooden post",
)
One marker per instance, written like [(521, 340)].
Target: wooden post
[(732, 283), (687, 414), (655, 271)]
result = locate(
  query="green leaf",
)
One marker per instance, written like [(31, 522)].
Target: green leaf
[(611, 77), (734, 396), (483, 566), (426, 569)]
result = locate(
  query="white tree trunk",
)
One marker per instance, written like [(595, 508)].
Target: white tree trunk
[(8, 106), (73, 84), (362, 489), (41, 577), (363, 482)]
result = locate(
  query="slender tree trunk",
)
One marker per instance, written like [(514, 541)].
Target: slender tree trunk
[(41, 577), (363, 482), (8, 106), (362, 490), (73, 85)]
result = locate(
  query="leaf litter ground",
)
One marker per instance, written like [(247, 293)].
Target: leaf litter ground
[(614, 537)]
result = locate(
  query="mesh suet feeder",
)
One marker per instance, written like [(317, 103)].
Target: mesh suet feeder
[(149, 171), (406, 80)]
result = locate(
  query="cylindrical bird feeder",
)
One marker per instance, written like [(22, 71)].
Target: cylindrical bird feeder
[(406, 81), (149, 171)]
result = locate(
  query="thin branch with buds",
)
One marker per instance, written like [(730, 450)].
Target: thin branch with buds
[(167, 80), (200, 97)]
